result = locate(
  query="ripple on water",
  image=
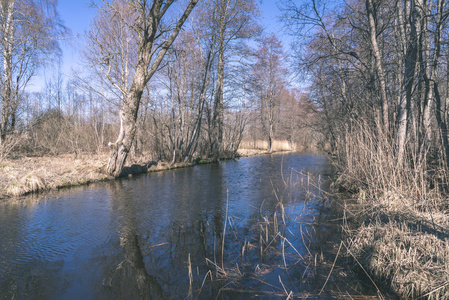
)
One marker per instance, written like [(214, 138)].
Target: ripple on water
[(52, 231), (78, 242)]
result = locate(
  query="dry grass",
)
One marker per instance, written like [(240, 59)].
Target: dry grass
[(262, 145), (259, 147), (412, 262), (24, 175), (271, 250), (30, 174), (403, 237), (244, 152)]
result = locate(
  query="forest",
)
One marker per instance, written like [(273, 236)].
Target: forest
[(157, 87), (379, 76), (366, 82)]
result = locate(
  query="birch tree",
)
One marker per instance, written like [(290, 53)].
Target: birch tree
[(233, 21), (270, 81), (29, 30), (151, 35)]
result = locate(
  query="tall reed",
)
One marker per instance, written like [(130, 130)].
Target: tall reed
[(401, 238)]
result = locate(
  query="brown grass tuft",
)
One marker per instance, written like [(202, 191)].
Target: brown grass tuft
[(30, 174), (402, 240), (412, 262), (34, 183), (28, 184)]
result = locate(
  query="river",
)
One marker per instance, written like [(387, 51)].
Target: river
[(253, 227)]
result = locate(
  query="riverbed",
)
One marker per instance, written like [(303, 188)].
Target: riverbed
[(254, 227)]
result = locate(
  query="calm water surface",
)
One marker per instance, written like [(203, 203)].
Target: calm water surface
[(256, 226)]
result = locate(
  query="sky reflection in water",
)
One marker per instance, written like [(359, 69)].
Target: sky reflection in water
[(133, 237)]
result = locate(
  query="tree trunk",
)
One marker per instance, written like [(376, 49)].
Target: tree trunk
[(270, 138), (120, 149), (145, 69), (439, 110), (428, 71), (7, 28), (441, 124), (379, 68), (217, 120), (193, 142), (407, 85)]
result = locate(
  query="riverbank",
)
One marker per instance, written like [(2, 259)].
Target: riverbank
[(397, 222), (237, 230), (24, 175), (401, 242)]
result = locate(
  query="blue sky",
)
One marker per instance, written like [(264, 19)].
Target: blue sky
[(77, 16)]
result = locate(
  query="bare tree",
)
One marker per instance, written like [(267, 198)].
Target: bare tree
[(233, 21), (270, 79), (28, 31), (186, 79), (150, 39), (372, 25), (381, 62)]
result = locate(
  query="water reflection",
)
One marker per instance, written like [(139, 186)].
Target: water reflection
[(250, 225)]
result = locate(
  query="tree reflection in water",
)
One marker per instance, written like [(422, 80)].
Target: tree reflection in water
[(130, 276), (132, 238)]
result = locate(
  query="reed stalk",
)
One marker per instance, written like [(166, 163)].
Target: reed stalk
[(397, 230)]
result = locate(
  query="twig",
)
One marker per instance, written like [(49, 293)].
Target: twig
[(224, 230), (303, 241), (355, 258), (161, 244), (190, 277), (431, 292), (209, 273), (335, 260), (289, 295), (293, 247)]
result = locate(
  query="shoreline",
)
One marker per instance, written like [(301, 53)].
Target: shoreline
[(29, 175), (400, 243)]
